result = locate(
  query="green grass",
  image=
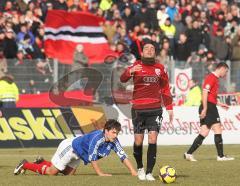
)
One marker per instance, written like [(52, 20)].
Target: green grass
[(207, 171)]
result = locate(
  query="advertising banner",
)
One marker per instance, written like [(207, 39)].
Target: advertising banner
[(185, 127), (47, 127)]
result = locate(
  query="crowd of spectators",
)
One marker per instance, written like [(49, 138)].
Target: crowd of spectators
[(196, 33)]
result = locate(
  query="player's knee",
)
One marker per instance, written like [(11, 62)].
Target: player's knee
[(52, 171), (152, 140), (152, 137), (138, 143), (204, 133)]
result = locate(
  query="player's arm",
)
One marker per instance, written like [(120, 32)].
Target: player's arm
[(207, 86), (123, 157), (98, 170), (129, 72), (166, 94), (93, 153), (204, 103), (126, 75), (223, 105), (129, 165)]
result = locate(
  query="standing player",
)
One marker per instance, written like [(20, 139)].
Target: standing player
[(209, 117), (151, 90), (89, 148)]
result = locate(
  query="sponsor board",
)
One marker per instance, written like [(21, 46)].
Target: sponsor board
[(182, 77), (185, 127), (47, 127), (230, 99)]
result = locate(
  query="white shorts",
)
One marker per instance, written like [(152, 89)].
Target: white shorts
[(65, 156)]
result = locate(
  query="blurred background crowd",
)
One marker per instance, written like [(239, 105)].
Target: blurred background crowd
[(188, 33)]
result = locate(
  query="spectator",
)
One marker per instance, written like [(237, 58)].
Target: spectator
[(24, 31), (162, 15), (60, 5), (182, 51), (180, 27), (152, 15), (80, 61), (10, 46), (169, 31), (142, 16), (128, 18), (219, 45), (9, 93), (3, 64), (194, 95), (194, 36), (172, 9)]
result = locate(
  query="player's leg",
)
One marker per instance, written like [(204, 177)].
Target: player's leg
[(153, 123), (204, 131), (42, 168), (138, 143), (151, 154), (205, 126), (72, 165), (69, 171), (217, 128)]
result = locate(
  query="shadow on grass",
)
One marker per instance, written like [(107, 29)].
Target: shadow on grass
[(94, 174), (182, 176)]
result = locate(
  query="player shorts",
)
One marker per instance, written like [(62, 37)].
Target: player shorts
[(147, 119), (65, 156), (212, 115)]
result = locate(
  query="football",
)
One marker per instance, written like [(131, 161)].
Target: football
[(167, 174)]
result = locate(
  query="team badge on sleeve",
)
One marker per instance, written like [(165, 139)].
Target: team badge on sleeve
[(207, 86)]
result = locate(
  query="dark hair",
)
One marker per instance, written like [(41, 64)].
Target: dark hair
[(222, 64), (27, 36), (112, 124), (147, 41)]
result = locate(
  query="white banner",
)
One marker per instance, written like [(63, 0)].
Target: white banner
[(182, 77), (186, 127)]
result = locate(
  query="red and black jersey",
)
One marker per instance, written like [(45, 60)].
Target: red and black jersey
[(151, 86), (211, 84)]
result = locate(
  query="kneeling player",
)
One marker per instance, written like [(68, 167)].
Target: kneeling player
[(89, 148)]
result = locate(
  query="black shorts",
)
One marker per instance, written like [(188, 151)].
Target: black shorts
[(149, 119), (212, 115)]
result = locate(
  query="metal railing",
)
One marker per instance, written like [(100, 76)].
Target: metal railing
[(34, 76)]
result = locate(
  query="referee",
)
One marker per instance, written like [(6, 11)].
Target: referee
[(209, 116)]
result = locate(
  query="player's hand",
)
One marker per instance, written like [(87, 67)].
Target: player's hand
[(170, 114), (203, 113), (103, 174), (134, 173), (136, 68), (224, 106)]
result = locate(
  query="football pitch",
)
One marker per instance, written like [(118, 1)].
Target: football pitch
[(206, 171)]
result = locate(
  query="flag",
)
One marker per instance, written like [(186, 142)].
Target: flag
[(65, 30)]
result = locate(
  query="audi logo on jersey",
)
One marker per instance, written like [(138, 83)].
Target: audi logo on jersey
[(150, 79)]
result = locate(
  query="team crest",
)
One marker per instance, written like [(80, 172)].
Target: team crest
[(158, 72)]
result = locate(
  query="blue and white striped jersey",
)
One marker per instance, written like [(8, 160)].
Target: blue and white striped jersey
[(92, 147)]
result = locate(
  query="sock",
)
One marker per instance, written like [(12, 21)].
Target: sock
[(197, 142), (38, 168), (151, 157), (219, 144), (137, 153)]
